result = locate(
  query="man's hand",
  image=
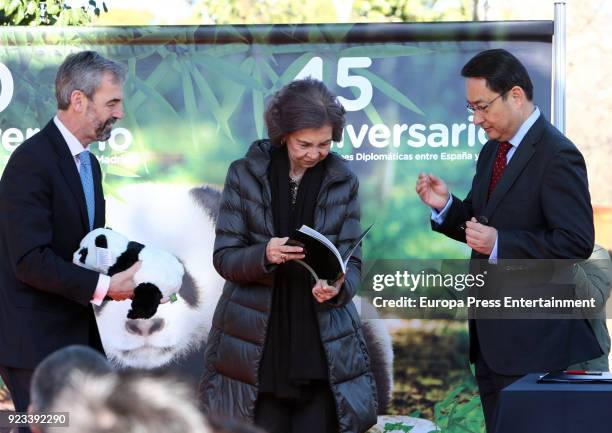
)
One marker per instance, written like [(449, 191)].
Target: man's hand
[(479, 237), (324, 292), (122, 284), (432, 191)]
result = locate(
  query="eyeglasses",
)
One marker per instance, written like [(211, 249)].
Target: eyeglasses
[(482, 108)]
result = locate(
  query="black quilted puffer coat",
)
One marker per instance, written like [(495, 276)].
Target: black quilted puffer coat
[(236, 341)]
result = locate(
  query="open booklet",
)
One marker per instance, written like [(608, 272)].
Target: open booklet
[(323, 259)]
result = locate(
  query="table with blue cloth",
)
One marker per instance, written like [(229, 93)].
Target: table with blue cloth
[(527, 406)]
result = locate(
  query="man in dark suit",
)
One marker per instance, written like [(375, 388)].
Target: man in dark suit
[(529, 200), (50, 197)]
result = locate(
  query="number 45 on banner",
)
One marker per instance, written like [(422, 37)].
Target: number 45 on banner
[(314, 69)]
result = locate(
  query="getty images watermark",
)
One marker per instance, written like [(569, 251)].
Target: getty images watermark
[(509, 289)]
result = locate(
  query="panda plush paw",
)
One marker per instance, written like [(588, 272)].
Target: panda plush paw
[(159, 278)]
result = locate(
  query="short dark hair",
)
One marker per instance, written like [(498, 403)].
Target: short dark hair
[(303, 104), (501, 70), (50, 377)]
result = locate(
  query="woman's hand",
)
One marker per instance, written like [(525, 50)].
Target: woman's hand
[(324, 292), (277, 252)]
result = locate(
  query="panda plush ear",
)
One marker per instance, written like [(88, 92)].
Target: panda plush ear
[(101, 241), (127, 258)]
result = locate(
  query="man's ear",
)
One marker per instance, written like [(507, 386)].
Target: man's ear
[(517, 94), (78, 101)]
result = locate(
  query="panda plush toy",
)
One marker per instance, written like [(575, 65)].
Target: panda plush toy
[(159, 278)]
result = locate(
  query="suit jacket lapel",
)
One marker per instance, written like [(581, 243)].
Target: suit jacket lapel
[(481, 188), (69, 170), (98, 193), (516, 165)]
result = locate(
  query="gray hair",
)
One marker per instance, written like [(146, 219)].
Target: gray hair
[(84, 71), (130, 403), (49, 378)]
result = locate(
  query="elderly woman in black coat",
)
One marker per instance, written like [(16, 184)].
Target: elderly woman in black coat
[(285, 351)]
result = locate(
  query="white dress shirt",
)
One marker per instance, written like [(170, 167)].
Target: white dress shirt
[(515, 141), (75, 147)]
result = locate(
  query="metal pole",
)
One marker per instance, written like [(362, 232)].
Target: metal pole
[(559, 43)]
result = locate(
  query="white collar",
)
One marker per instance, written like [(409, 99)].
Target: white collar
[(74, 144), (525, 127)]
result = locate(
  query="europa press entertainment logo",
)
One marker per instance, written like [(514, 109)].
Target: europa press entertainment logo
[(6, 87)]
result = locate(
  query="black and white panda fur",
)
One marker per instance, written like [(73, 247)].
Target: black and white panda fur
[(181, 220), (159, 277)]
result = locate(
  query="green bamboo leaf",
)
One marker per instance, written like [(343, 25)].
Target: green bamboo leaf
[(227, 70), (338, 33), (228, 29), (117, 170), (260, 33), (148, 91), (464, 409), (191, 108), (370, 110), (268, 71), (164, 70), (390, 91), (294, 68), (232, 95), (132, 66), (139, 139), (372, 114), (451, 395), (315, 34), (383, 50), (258, 106), (227, 49), (210, 100)]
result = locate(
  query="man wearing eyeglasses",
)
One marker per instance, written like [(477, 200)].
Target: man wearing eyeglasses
[(529, 200)]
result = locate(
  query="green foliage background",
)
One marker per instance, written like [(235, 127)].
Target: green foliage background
[(47, 12), (194, 107)]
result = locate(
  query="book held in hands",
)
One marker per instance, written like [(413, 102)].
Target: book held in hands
[(322, 258)]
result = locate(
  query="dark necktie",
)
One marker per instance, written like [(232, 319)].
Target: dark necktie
[(499, 166)]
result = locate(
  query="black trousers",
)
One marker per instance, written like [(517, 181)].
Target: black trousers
[(18, 381), (315, 413), (490, 384)]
